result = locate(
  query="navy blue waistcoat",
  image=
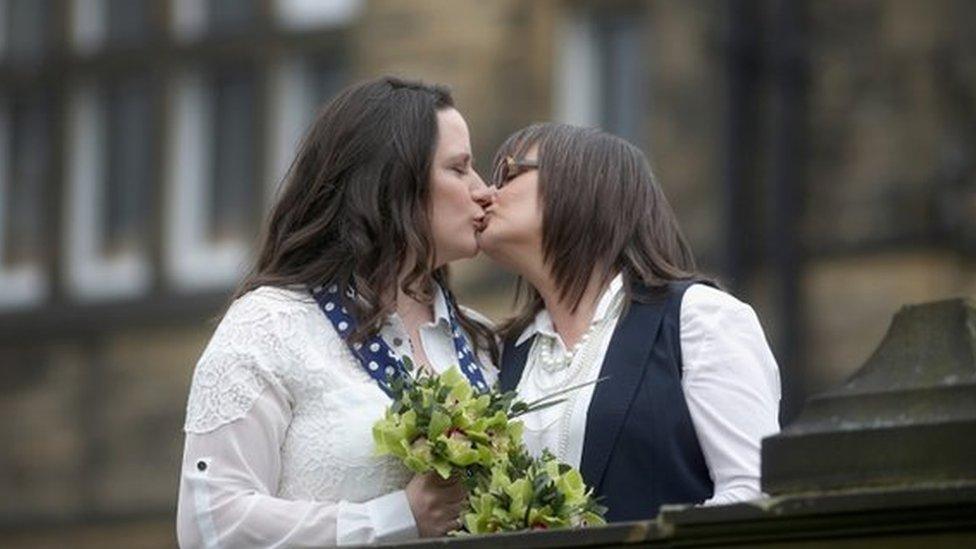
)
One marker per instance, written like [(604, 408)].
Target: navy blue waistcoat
[(640, 449)]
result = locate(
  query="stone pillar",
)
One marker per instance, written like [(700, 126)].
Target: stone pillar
[(907, 417)]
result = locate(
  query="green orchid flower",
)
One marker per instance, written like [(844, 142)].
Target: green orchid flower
[(439, 423)]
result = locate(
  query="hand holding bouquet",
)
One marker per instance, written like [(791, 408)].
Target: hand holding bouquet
[(438, 422)]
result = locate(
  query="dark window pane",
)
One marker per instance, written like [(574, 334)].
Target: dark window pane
[(327, 77), (28, 25), (29, 154), (129, 22), (234, 152), (622, 99), (232, 16), (128, 161), (620, 55)]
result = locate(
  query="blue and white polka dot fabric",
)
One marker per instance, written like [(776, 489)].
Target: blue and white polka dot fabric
[(377, 359)]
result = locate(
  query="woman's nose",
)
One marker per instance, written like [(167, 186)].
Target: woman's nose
[(481, 193)]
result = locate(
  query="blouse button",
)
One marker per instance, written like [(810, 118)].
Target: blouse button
[(202, 465), (397, 341)]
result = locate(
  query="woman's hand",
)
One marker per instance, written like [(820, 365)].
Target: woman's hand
[(436, 503)]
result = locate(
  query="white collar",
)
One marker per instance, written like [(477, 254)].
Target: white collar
[(441, 315), (542, 324)]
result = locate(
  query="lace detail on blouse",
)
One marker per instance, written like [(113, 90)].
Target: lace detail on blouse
[(246, 353), (276, 339)]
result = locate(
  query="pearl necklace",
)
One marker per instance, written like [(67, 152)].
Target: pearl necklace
[(553, 361), (584, 363), (550, 361)]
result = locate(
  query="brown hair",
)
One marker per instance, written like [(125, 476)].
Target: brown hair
[(602, 212), (355, 205)]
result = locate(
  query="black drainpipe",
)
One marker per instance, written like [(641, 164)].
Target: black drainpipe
[(788, 62)]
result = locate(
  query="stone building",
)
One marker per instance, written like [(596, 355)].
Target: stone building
[(820, 155)]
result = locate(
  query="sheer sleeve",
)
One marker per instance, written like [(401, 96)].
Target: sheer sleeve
[(731, 384), (229, 474), (238, 415)]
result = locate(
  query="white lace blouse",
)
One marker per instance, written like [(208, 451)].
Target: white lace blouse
[(279, 450)]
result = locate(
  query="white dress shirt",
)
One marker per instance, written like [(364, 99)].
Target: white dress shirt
[(729, 379), (279, 449)]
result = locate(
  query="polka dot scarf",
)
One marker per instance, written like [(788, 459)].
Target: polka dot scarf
[(376, 357)]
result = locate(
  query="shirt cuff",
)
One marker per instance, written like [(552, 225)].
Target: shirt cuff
[(386, 518)]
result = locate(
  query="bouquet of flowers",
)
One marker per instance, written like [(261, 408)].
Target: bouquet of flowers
[(438, 423), (531, 493)]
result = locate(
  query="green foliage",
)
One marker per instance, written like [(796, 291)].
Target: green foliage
[(438, 423), (531, 493)]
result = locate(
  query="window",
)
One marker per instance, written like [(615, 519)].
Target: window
[(307, 14), (233, 146), (129, 22), (228, 17), (195, 19), (109, 176), (25, 29), (599, 80), (110, 24), (128, 159), (25, 157), (301, 87), (211, 187)]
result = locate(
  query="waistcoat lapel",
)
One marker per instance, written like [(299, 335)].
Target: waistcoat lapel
[(624, 364), (513, 363)]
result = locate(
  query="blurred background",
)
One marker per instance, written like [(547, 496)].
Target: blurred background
[(821, 157)]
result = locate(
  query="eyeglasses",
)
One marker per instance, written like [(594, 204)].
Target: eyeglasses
[(511, 167)]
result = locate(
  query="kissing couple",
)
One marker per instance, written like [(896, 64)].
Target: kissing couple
[(351, 278)]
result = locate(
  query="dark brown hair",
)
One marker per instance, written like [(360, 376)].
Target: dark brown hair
[(602, 212), (355, 205)]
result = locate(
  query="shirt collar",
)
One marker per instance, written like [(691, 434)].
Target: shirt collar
[(442, 318), (441, 315), (542, 324)]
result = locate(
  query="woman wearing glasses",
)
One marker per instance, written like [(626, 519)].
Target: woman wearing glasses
[(609, 289), (350, 278)]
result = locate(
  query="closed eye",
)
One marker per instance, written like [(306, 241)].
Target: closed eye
[(459, 163)]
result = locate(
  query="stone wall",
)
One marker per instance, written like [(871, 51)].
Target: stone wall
[(891, 174)]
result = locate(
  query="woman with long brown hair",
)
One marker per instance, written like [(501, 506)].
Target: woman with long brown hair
[(350, 279), (609, 289)]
